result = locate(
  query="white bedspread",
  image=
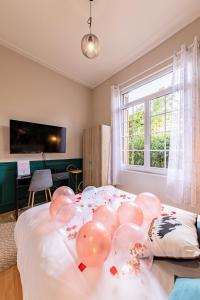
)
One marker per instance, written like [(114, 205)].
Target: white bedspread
[(48, 267)]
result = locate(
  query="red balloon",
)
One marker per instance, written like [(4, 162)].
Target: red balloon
[(129, 212), (107, 216), (57, 203), (150, 205), (93, 244)]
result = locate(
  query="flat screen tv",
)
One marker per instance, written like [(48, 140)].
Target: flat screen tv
[(26, 137)]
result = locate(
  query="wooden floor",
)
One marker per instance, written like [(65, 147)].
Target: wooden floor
[(10, 284)]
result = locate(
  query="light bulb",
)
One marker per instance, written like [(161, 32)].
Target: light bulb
[(90, 45)]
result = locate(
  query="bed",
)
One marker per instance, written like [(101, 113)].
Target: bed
[(48, 265)]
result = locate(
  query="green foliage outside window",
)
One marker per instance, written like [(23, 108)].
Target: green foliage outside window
[(160, 136)]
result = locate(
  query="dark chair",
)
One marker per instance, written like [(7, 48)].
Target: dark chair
[(40, 181)]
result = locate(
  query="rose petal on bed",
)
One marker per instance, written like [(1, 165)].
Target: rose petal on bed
[(123, 196), (116, 196), (78, 199)]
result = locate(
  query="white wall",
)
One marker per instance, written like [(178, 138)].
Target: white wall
[(137, 182)]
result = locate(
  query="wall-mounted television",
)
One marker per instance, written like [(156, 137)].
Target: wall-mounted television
[(26, 137)]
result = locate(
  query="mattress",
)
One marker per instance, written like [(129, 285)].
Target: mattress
[(48, 266)]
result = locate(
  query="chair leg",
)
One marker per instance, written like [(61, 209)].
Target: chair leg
[(46, 196), (49, 193), (29, 199), (33, 198)]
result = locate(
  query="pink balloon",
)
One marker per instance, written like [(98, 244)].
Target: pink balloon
[(107, 216), (129, 212), (64, 190), (57, 203), (65, 213), (126, 236), (150, 205), (93, 244), (128, 247)]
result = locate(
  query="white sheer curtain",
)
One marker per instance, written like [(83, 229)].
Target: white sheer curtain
[(116, 135), (183, 179)]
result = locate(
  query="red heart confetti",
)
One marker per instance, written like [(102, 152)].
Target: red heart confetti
[(82, 267), (113, 271)]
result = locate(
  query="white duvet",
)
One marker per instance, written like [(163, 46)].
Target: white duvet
[(48, 267)]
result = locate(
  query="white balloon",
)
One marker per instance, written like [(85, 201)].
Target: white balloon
[(102, 197), (88, 195), (109, 188)]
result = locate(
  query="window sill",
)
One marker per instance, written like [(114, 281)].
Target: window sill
[(156, 172)]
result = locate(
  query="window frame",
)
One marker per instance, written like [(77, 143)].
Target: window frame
[(147, 119)]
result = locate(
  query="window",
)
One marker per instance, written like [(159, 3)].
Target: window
[(146, 112)]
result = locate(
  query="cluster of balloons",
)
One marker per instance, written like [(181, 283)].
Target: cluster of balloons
[(120, 231)]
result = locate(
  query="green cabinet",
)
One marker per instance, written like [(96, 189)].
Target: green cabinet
[(8, 173)]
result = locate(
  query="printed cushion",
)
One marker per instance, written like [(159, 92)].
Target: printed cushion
[(174, 234), (186, 289)]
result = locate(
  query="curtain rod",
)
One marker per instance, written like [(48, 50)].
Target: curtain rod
[(146, 71), (155, 66), (124, 87)]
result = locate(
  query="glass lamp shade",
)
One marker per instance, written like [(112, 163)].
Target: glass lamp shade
[(90, 45)]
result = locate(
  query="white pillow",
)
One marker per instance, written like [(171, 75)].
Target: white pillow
[(174, 234)]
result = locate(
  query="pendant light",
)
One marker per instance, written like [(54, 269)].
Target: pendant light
[(90, 42)]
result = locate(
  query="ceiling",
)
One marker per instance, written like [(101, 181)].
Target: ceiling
[(50, 31)]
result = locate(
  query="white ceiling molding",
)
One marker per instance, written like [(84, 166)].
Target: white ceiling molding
[(41, 62)]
